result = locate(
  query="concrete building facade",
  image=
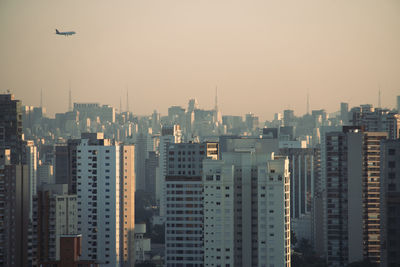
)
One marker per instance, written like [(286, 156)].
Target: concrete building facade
[(351, 179), (184, 202), (247, 210), (390, 203), (106, 191)]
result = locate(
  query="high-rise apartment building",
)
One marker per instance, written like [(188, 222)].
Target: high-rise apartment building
[(247, 209), (66, 158), (169, 135), (151, 166), (143, 145), (15, 186), (31, 162), (184, 202), (11, 126), (344, 113), (106, 192), (15, 207), (55, 214), (376, 120), (351, 170), (390, 203), (301, 169), (61, 164)]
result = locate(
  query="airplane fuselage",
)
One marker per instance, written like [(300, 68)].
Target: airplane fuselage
[(64, 33)]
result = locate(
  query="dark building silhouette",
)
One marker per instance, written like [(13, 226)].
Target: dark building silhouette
[(390, 203)]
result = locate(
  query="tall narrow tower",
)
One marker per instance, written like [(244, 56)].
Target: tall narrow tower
[(308, 102), (217, 114), (70, 98), (379, 98), (127, 100), (216, 99), (41, 98)]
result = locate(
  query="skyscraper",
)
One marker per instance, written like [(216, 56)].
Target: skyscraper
[(376, 120), (350, 170), (169, 135), (15, 186), (184, 202), (11, 126), (106, 192), (344, 113), (390, 204), (247, 209)]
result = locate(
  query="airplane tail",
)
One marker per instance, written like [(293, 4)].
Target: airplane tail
[(57, 31)]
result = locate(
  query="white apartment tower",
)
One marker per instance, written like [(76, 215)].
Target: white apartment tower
[(247, 210), (106, 191)]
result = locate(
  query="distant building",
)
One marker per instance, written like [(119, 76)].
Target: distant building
[(376, 120), (142, 244), (151, 166), (288, 117), (344, 113), (398, 104), (45, 174), (252, 122), (93, 110), (301, 169), (61, 168)]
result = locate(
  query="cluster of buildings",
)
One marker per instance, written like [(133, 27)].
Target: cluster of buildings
[(229, 190)]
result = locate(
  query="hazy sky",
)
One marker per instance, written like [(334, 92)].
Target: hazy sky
[(263, 55)]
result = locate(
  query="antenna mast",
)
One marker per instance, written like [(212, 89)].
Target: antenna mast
[(70, 98), (379, 98), (127, 100)]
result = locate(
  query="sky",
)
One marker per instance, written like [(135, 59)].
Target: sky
[(264, 56)]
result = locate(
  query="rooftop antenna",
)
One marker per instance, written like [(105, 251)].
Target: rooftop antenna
[(41, 97), (379, 97), (120, 104), (216, 98), (127, 100), (70, 98), (308, 102)]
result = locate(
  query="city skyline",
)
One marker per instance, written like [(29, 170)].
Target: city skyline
[(263, 56)]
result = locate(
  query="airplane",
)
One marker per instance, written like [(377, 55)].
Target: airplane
[(64, 33)]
